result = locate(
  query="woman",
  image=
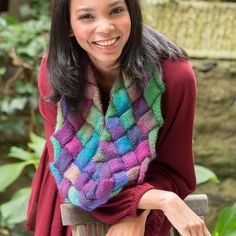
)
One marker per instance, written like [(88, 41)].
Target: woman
[(97, 50)]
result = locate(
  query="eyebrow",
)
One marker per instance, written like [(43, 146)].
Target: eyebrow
[(89, 9)]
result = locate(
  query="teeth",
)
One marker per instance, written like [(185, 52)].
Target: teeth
[(106, 43)]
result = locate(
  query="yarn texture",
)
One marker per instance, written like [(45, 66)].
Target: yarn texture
[(97, 155)]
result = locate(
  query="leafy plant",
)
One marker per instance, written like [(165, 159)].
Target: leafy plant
[(14, 211), (204, 174), (226, 222)]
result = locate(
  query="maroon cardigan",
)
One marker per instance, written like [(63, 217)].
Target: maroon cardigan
[(173, 170)]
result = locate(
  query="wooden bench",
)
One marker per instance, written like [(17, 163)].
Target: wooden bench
[(78, 218)]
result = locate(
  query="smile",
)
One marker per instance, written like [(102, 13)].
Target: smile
[(106, 43)]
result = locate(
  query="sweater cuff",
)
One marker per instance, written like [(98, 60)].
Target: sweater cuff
[(136, 196)]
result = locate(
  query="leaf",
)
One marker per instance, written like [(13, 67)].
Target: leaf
[(10, 106), (9, 173), (226, 222), (37, 144), (20, 153), (3, 70), (14, 211), (204, 174)]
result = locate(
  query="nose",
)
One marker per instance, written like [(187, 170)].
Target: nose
[(105, 26)]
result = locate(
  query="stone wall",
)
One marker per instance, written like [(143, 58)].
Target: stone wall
[(205, 30)]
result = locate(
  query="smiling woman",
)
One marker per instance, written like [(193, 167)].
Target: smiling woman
[(118, 101)]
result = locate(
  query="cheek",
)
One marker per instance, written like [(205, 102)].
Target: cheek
[(82, 34), (125, 26)]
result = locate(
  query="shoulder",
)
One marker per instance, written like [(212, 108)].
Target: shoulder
[(180, 83), (178, 73), (43, 80)]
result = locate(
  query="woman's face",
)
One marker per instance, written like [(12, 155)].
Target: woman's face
[(101, 27)]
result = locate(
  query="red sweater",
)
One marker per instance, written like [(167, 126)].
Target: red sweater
[(173, 170)]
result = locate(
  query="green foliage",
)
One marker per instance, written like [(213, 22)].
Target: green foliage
[(204, 174), (22, 45), (226, 222), (14, 211)]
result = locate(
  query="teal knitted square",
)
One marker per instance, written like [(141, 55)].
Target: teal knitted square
[(121, 102)]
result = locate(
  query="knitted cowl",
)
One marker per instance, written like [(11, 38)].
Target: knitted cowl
[(97, 155)]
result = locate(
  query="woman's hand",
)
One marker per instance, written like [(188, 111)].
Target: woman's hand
[(129, 226), (183, 218), (176, 210)]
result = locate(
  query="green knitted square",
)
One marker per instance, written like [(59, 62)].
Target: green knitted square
[(127, 119), (95, 119), (106, 135), (151, 92), (111, 111), (85, 133), (152, 137), (156, 109)]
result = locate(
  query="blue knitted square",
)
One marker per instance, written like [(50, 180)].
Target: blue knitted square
[(120, 179), (115, 128), (123, 145), (135, 135)]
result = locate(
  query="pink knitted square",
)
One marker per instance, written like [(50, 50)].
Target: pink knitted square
[(129, 160), (74, 146), (147, 122), (142, 151)]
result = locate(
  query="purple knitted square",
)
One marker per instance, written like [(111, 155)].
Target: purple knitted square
[(109, 149), (65, 133), (135, 135), (129, 160), (82, 179), (89, 189), (115, 128), (116, 165), (64, 187), (105, 187), (143, 150), (140, 108), (76, 120), (64, 160)]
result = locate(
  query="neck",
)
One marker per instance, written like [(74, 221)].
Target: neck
[(105, 76)]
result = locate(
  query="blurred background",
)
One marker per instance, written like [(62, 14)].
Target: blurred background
[(205, 29)]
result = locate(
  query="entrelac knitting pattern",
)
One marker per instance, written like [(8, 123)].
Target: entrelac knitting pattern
[(97, 155)]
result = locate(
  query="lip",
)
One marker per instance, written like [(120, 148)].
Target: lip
[(108, 47)]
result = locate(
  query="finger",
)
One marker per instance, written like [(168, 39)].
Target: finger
[(206, 232), (185, 231)]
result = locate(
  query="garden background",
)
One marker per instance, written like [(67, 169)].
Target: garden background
[(206, 30)]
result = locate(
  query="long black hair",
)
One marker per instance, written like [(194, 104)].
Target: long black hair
[(67, 61)]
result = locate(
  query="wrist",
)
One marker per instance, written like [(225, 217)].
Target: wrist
[(156, 199)]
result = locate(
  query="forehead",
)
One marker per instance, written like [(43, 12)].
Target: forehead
[(94, 3)]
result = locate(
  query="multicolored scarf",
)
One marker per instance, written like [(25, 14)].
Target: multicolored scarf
[(97, 155)]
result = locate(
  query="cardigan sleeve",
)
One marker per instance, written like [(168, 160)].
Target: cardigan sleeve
[(173, 169), (47, 110)]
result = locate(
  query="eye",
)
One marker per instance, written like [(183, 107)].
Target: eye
[(86, 17), (117, 10)]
